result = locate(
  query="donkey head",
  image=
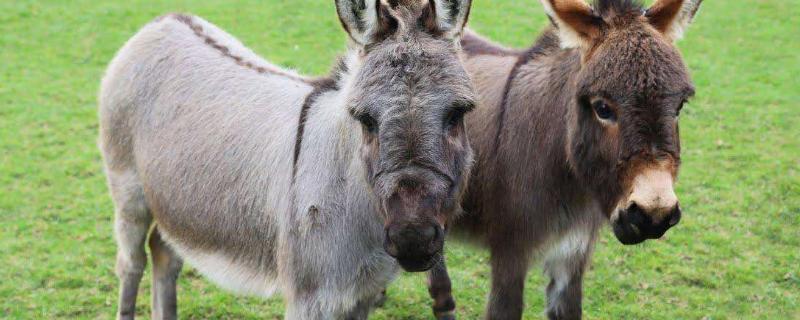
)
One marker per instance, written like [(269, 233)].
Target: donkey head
[(630, 89), (409, 93)]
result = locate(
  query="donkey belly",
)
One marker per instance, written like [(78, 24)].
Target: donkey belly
[(239, 276)]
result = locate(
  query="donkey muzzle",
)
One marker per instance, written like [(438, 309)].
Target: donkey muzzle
[(633, 225), (416, 247)]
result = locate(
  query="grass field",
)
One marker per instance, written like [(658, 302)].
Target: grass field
[(735, 255)]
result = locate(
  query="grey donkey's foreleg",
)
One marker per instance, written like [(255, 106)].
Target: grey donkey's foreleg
[(131, 224), (166, 267), (440, 289), (365, 307)]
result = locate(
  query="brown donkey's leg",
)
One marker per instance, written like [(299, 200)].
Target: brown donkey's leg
[(565, 264), (166, 267), (509, 268), (439, 287)]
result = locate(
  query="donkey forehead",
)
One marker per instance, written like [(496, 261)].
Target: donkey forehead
[(412, 75), (637, 64)]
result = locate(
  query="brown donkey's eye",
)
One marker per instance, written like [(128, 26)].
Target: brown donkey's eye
[(603, 111)]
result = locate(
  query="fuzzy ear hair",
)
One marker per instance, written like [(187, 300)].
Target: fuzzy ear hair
[(577, 24), (672, 17), (451, 15), (365, 20)]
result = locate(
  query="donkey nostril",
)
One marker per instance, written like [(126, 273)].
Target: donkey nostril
[(635, 229), (675, 217), (428, 233)]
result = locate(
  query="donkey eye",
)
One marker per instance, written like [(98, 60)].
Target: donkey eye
[(368, 122), (603, 111), (680, 107), (454, 117)]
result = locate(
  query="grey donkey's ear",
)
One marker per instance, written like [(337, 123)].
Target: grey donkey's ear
[(672, 17), (365, 20), (369, 21), (451, 15)]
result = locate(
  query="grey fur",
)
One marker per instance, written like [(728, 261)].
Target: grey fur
[(197, 134)]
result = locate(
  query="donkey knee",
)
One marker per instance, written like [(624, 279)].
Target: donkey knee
[(131, 235)]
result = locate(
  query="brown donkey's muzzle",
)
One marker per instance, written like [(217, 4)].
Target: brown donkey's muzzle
[(634, 225), (650, 209)]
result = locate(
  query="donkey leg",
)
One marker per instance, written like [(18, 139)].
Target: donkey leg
[(440, 289), (362, 310), (381, 299), (132, 222), (509, 268), (565, 264), (166, 267)]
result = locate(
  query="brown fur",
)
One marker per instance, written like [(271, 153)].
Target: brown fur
[(546, 167)]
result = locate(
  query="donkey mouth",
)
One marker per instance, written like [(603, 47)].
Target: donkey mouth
[(634, 228), (419, 264)]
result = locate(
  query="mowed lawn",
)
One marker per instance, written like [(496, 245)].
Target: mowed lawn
[(735, 255)]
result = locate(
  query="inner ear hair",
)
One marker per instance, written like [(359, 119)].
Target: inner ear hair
[(671, 17), (577, 23)]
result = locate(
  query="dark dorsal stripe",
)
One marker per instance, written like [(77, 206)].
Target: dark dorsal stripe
[(225, 51), (321, 86), (546, 41)]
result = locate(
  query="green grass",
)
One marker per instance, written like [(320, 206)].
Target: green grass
[(735, 255)]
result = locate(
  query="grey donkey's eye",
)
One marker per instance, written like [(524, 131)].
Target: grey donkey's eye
[(454, 117), (368, 122), (456, 114)]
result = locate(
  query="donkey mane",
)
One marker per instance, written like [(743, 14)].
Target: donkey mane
[(610, 7), (547, 43)]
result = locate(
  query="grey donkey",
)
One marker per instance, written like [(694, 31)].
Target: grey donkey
[(268, 181)]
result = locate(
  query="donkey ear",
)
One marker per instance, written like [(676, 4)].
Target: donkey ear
[(451, 15), (672, 17), (577, 24), (365, 20)]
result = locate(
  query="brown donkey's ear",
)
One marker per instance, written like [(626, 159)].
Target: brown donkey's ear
[(671, 17), (366, 21), (577, 24)]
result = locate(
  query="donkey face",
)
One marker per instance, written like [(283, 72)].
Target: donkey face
[(409, 94), (630, 90)]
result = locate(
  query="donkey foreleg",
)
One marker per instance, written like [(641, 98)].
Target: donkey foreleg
[(440, 289), (509, 269), (565, 264)]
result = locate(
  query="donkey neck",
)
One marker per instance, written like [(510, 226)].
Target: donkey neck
[(537, 106), (327, 170)]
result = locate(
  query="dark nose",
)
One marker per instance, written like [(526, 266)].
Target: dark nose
[(634, 225), (414, 246)]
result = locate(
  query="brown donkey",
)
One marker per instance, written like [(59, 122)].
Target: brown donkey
[(578, 129)]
